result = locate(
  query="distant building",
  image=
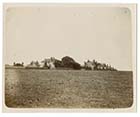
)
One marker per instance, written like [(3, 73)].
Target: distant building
[(94, 65), (90, 65), (33, 64), (48, 63)]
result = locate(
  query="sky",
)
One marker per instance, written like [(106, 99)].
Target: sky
[(80, 31)]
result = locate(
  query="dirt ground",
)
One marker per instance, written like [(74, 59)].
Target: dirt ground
[(32, 88)]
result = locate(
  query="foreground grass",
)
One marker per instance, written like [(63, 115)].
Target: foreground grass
[(68, 89)]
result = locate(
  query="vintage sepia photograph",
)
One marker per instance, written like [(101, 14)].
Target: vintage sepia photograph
[(69, 56)]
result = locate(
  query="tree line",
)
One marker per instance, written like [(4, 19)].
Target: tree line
[(66, 63)]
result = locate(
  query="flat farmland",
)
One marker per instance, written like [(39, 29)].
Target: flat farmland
[(34, 88)]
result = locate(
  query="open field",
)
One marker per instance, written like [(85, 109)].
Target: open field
[(31, 88)]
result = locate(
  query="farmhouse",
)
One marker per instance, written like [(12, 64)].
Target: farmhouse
[(90, 65), (49, 63), (33, 64)]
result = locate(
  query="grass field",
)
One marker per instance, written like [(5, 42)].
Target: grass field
[(31, 88)]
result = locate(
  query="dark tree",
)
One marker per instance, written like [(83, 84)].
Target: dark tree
[(69, 62), (76, 66), (58, 63)]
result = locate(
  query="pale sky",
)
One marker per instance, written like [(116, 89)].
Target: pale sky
[(81, 32)]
